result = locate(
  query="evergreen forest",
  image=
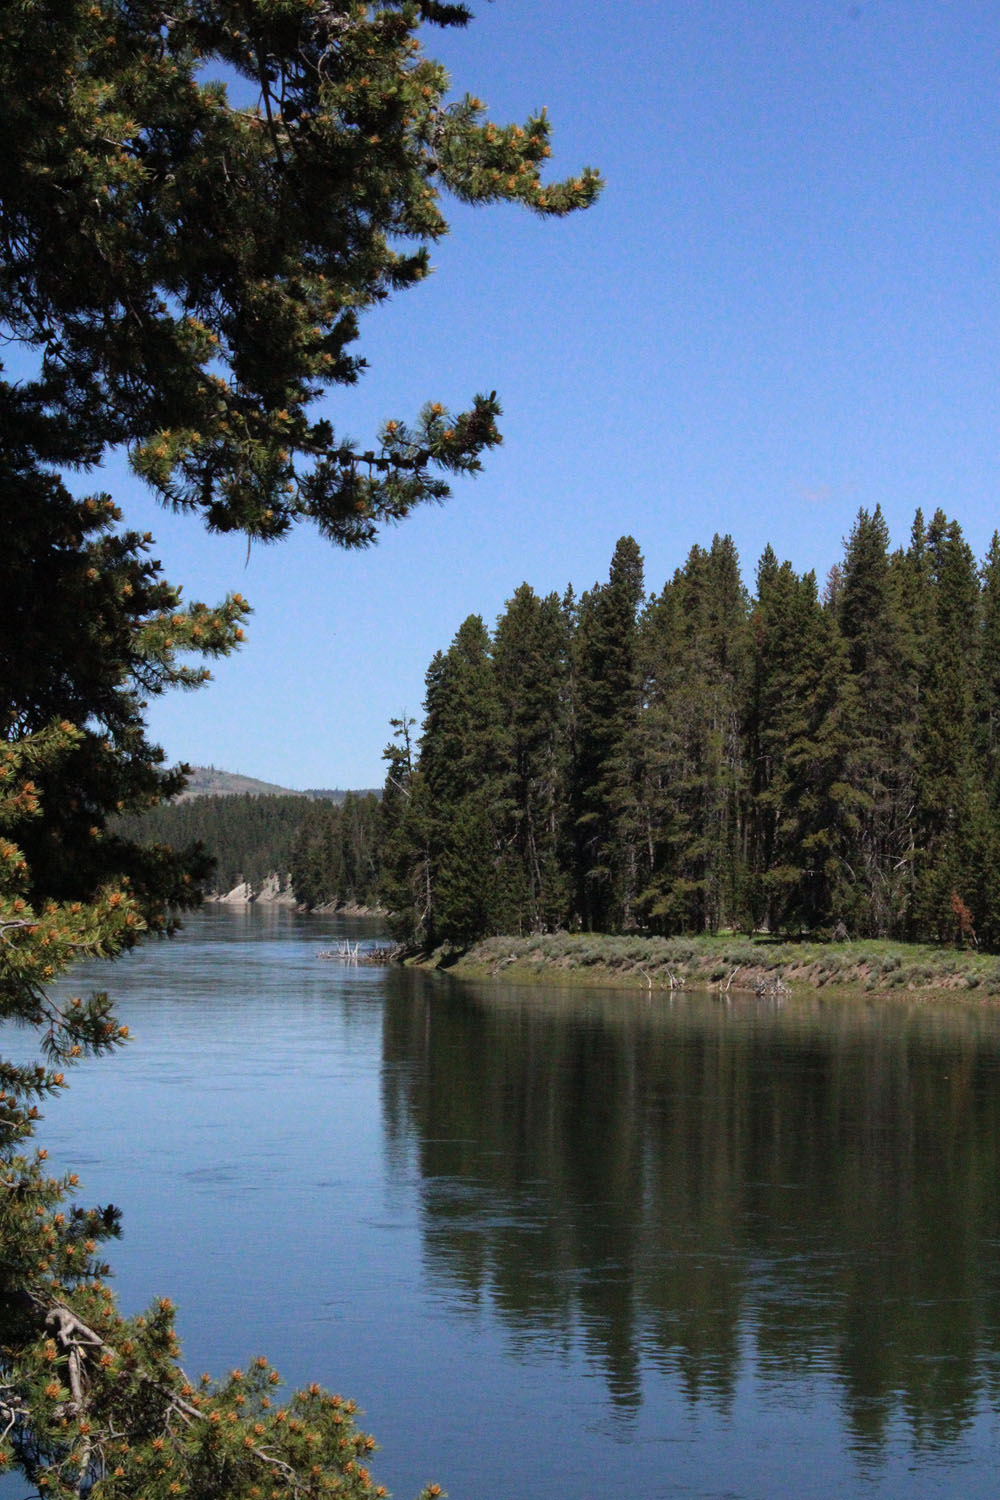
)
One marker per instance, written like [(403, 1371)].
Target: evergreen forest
[(336, 853), (323, 851), (789, 759)]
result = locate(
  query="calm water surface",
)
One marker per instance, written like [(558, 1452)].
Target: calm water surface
[(558, 1244)]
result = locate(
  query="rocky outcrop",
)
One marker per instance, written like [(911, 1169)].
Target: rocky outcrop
[(269, 894), (272, 894), (240, 895)]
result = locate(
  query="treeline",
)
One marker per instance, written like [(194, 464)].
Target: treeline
[(787, 760), (326, 851)]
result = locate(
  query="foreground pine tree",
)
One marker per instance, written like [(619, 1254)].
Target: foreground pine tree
[(183, 273), (191, 273)]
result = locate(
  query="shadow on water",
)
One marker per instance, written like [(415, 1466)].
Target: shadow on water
[(694, 1186)]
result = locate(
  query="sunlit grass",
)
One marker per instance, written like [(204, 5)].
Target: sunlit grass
[(735, 961)]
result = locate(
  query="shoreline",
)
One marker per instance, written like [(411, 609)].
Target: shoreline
[(731, 963), (273, 893)]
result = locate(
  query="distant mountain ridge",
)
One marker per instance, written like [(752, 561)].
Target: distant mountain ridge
[(209, 781)]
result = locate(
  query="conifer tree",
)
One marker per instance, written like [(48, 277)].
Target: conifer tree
[(988, 672), (530, 658), (249, 836), (306, 867), (727, 609), (802, 811), (405, 826), (693, 641), (658, 749), (360, 856), (883, 658), (950, 809), (190, 271), (463, 762), (606, 708), (987, 747), (92, 630)]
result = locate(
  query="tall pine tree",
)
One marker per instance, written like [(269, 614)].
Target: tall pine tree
[(607, 702), (693, 644), (464, 765), (802, 812), (950, 808), (883, 657), (530, 656)]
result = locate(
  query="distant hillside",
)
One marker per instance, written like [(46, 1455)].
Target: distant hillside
[(207, 781)]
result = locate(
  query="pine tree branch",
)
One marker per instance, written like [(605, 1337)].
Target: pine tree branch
[(82, 1345)]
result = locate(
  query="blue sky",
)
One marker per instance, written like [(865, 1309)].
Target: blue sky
[(783, 307)]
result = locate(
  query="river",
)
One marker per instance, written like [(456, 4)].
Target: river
[(566, 1244)]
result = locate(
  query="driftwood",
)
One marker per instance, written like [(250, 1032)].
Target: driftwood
[(352, 953), (771, 989)]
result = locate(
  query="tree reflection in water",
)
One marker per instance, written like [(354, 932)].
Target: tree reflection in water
[(694, 1185)]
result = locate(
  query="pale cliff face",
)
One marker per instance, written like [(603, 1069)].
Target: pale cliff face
[(273, 892)]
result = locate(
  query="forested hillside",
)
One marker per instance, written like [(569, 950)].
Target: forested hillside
[(791, 759), (327, 851)]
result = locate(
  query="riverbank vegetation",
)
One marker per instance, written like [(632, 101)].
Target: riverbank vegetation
[(794, 759), (729, 963)]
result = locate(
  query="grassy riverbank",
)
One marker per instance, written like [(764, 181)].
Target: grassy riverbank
[(731, 962)]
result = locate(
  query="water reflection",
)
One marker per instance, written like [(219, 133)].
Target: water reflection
[(698, 1186), (771, 1236)]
